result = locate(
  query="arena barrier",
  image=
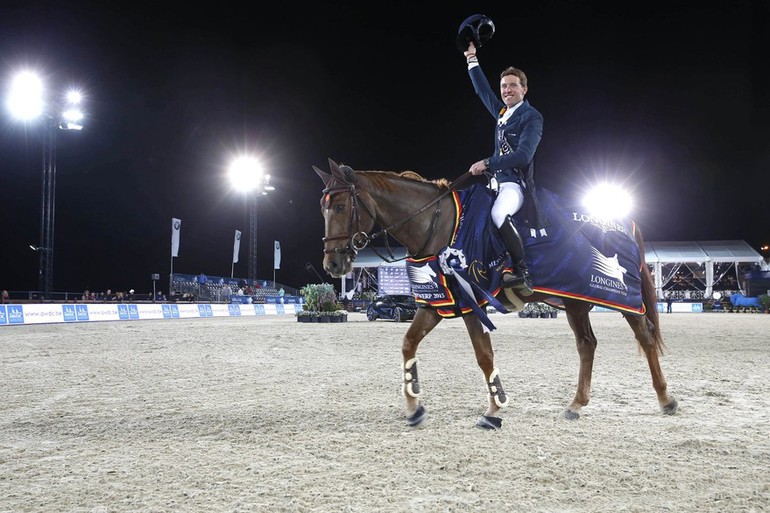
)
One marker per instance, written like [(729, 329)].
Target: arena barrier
[(37, 313), (675, 307)]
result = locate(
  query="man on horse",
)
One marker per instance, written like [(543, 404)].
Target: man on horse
[(518, 131)]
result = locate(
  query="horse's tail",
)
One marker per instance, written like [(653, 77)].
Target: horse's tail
[(649, 297)]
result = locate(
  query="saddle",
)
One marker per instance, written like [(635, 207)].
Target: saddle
[(577, 256)]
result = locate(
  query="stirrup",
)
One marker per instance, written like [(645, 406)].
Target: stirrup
[(521, 283)]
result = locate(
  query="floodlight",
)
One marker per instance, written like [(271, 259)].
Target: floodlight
[(246, 173), (26, 97), (608, 201)]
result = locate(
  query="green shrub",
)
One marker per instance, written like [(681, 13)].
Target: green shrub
[(319, 297)]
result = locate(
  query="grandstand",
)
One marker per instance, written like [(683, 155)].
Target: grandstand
[(200, 288)]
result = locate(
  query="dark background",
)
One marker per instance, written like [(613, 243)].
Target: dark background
[(671, 98)]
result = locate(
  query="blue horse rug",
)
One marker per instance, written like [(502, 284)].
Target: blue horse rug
[(577, 256)]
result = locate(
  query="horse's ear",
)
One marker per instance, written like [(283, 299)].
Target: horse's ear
[(339, 172), (342, 172), (350, 175), (326, 177)]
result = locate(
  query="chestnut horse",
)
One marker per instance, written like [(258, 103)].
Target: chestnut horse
[(418, 213)]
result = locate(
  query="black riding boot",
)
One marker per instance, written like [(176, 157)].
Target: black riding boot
[(521, 280)]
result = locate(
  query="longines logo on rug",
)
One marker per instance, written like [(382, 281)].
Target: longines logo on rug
[(421, 274), (613, 272), (605, 224)]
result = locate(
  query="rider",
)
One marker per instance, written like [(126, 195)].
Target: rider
[(518, 131)]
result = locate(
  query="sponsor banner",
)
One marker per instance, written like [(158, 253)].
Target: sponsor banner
[(11, 315), (681, 307), (236, 246), (100, 312), (176, 225), (675, 307), (277, 256)]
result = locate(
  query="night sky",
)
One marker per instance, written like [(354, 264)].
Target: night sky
[(670, 98)]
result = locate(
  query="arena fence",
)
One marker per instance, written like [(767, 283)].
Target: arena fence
[(42, 313)]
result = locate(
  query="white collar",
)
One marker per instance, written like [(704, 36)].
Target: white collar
[(508, 113)]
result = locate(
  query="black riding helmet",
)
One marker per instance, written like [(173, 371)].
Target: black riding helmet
[(477, 29)]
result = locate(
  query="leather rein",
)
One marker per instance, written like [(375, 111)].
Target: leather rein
[(358, 239)]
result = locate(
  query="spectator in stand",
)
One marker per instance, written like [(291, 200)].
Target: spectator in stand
[(6, 296), (281, 293)]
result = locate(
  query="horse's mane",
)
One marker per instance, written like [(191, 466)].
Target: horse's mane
[(382, 179)]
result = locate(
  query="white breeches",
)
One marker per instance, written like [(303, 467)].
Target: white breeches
[(509, 200)]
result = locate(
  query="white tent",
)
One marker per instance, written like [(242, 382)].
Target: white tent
[(700, 253)]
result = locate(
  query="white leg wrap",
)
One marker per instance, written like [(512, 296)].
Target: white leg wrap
[(495, 388), (411, 385)]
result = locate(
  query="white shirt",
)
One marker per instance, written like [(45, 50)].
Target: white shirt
[(504, 118)]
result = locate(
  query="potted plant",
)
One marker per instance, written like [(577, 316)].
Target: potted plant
[(529, 310), (553, 312), (306, 315), (320, 303), (764, 300), (338, 316)]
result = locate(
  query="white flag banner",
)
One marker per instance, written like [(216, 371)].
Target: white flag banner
[(176, 225), (277, 256), (236, 246)]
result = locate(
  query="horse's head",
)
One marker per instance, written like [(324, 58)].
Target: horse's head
[(346, 223)]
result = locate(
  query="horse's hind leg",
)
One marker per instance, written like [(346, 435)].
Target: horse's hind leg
[(579, 321), (424, 321), (648, 336), (485, 357)]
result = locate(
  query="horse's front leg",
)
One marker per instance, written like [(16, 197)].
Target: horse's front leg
[(424, 321), (485, 357)]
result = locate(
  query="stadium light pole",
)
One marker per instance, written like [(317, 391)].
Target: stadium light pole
[(27, 102), (247, 175)]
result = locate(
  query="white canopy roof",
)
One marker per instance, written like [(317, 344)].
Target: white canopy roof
[(368, 258), (733, 251)]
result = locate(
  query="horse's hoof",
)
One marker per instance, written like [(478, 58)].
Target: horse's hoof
[(670, 408), (486, 422), (570, 415), (417, 417)]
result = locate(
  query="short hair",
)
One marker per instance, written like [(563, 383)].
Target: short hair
[(510, 70)]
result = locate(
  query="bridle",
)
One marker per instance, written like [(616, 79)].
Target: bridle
[(358, 239)]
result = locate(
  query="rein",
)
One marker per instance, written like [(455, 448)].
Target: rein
[(360, 239)]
